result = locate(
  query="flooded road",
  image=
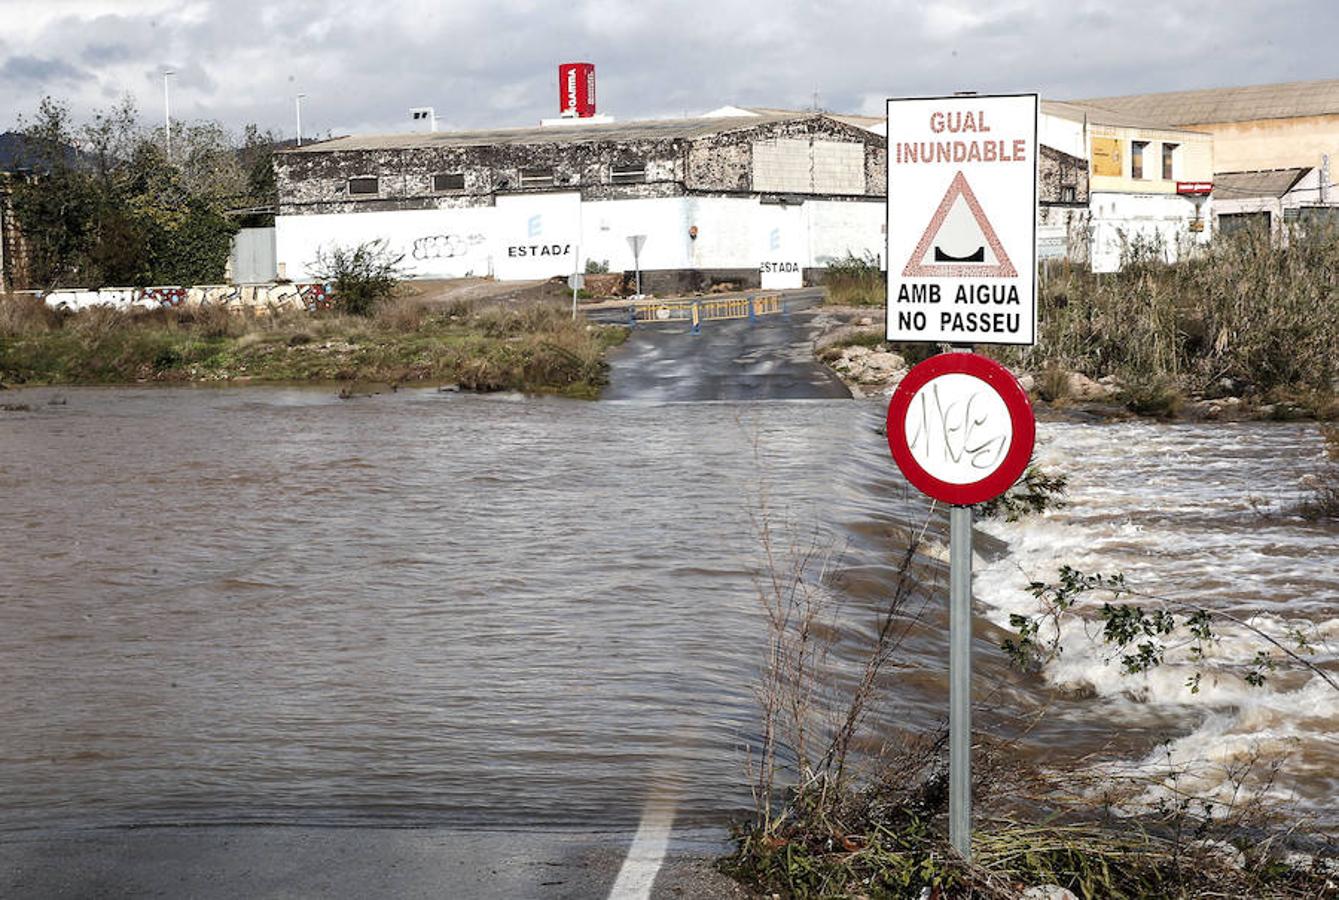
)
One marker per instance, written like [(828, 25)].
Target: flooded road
[(267, 604)]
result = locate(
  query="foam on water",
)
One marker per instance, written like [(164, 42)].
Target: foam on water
[(1198, 515)]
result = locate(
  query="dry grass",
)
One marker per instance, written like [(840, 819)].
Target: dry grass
[(535, 347), (1246, 315)]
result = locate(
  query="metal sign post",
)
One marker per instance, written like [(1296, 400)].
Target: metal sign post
[(576, 281), (961, 429), (962, 269), (636, 242), (960, 680)]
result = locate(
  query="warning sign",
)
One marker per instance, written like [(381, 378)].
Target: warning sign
[(962, 212), (959, 241)]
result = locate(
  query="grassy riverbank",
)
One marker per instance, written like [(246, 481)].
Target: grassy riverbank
[(535, 347), (1246, 319)]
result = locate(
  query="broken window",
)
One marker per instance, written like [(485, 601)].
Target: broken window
[(451, 181), (362, 187), (1137, 149), (536, 178)]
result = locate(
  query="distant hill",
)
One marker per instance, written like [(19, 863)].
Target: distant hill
[(14, 152), (11, 150)]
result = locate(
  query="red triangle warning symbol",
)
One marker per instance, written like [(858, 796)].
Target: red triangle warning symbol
[(959, 242)]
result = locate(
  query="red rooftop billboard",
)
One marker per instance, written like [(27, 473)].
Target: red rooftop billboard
[(576, 90)]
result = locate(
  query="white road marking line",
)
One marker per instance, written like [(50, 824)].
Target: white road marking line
[(647, 852)]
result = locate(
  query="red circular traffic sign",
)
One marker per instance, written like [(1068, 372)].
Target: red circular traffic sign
[(960, 428)]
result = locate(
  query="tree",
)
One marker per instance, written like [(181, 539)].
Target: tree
[(55, 205), (105, 206)]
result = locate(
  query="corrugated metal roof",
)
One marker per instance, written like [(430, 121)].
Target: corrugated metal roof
[(1079, 111), (649, 130), (1262, 183), (1236, 104)]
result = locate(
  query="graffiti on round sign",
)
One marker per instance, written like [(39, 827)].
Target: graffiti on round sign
[(958, 428)]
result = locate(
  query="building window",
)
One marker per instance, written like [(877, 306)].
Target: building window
[(536, 178), (629, 173), (1168, 156), (1068, 194), (363, 187), (1137, 149), (451, 181)]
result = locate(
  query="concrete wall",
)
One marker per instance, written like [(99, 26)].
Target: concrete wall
[(509, 241), (1119, 219), (251, 297), (1193, 160), (1061, 134), (1272, 143)]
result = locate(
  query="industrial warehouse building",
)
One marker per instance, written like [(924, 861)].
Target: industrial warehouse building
[(1273, 145), (755, 198), (760, 196), (752, 199)]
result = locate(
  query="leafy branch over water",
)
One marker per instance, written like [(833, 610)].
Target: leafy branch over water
[(1141, 636)]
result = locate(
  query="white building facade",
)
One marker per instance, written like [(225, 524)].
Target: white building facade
[(758, 201)]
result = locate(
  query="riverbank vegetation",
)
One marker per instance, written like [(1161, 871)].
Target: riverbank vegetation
[(855, 281), (1246, 327), (535, 347), (848, 805), (103, 203), (1249, 316)]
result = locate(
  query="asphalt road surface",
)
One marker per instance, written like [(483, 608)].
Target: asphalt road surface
[(218, 862), (770, 359)]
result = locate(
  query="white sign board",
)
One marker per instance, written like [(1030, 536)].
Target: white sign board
[(962, 219), (781, 242)]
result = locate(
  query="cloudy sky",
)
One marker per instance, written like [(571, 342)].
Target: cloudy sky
[(481, 64)]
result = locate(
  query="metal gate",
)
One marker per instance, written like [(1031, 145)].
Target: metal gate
[(253, 256)]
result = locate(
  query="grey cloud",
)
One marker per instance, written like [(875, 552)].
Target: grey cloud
[(487, 64), (40, 71), (101, 54)]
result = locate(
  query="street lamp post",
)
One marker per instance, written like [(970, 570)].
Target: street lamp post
[(167, 114), (297, 104)]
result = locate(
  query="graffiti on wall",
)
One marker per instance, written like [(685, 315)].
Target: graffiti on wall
[(256, 298), (445, 246)]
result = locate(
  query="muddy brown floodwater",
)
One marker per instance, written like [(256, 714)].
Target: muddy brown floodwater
[(267, 604)]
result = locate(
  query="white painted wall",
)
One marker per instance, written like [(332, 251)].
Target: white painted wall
[(1120, 218), (436, 243), (509, 240), (1062, 134)]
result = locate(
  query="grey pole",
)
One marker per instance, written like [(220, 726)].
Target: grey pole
[(960, 681), (637, 264), (167, 115)]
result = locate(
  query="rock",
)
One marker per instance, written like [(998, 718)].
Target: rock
[(1028, 382), (449, 389), (1222, 850), (886, 361), (1081, 387), (866, 320), (1048, 892)]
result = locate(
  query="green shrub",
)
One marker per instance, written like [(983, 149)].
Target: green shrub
[(360, 277)]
